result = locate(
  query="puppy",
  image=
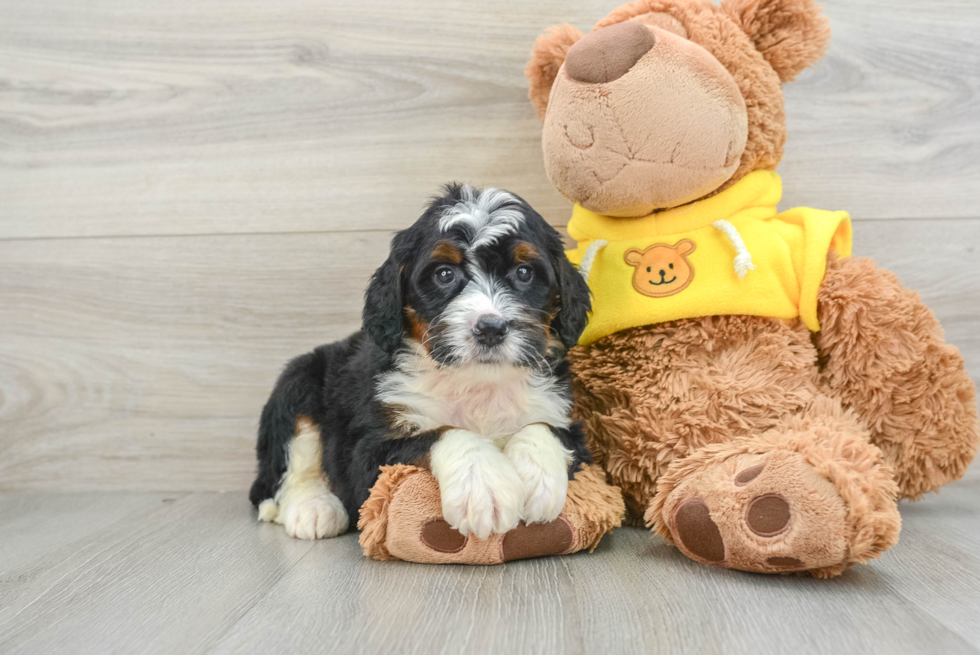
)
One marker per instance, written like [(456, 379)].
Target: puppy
[(459, 366)]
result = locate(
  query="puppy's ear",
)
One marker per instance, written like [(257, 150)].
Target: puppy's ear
[(382, 316), (575, 302), (790, 34), (547, 57)]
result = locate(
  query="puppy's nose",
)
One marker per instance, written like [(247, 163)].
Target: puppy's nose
[(608, 53), (490, 330)]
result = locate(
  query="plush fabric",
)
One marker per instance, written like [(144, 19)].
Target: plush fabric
[(788, 255), (601, 154), (608, 55), (884, 356), (654, 394), (790, 34), (715, 32), (546, 59), (766, 410), (402, 520), (840, 491)]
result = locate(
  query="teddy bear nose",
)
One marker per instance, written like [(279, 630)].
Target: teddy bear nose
[(608, 53)]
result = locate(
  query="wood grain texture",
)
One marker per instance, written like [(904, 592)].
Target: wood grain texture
[(939, 541), (199, 575), (143, 363), (168, 581), (193, 193), (34, 525), (237, 116)]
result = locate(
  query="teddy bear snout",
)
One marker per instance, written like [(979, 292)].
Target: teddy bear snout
[(608, 53)]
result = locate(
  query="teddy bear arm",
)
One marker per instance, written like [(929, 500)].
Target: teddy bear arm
[(882, 352)]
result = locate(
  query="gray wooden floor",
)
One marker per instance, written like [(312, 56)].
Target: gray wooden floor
[(193, 192), (193, 573)]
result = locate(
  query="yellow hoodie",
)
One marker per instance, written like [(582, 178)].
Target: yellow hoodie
[(729, 254)]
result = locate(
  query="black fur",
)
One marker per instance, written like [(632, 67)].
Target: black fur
[(575, 301), (335, 385)]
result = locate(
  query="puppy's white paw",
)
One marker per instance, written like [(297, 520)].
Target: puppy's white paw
[(480, 490), (314, 517), (542, 464)]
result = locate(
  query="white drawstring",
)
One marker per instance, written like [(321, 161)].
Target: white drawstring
[(743, 258), (589, 258)]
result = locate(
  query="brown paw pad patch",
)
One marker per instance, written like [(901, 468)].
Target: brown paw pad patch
[(440, 536), (746, 476), (695, 530), (768, 515), (785, 562), (537, 540)]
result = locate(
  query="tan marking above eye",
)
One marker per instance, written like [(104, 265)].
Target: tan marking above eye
[(447, 252), (524, 252)]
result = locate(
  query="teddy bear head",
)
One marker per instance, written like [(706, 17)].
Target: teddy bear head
[(669, 101)]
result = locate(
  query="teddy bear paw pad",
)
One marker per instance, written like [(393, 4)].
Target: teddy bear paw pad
[(697, 532), (537, 540), (777, 515), (768, 515), (442, 537)]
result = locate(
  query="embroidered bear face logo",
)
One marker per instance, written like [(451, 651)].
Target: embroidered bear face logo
[(662, 270)]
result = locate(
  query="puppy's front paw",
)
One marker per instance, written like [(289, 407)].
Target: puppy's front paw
[(542, 464), (480, 490), (314, 517)]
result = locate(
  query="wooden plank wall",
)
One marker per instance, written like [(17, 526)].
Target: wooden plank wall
[(192, 193)]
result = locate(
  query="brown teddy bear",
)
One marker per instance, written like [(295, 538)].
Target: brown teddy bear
[(766, 409)]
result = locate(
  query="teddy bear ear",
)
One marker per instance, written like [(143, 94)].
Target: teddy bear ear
[(790, 34), (546, 58), (686, 247)]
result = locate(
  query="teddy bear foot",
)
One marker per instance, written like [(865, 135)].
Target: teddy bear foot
[(402, 520), (764, 513), (809, 500)]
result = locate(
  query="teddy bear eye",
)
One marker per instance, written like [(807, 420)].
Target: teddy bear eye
[(648, 269), (671, 265)]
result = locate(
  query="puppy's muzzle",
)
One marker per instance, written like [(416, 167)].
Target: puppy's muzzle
[(490, 330)]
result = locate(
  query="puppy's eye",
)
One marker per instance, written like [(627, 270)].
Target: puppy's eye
[(444, 275), (524, 273)]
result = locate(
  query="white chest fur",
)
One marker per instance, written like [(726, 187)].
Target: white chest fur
[(491, 401)]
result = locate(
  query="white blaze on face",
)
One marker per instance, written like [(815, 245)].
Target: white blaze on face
[(486, 216), (483, 296)]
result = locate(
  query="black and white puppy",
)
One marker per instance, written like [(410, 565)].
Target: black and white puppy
[(460, 366)]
